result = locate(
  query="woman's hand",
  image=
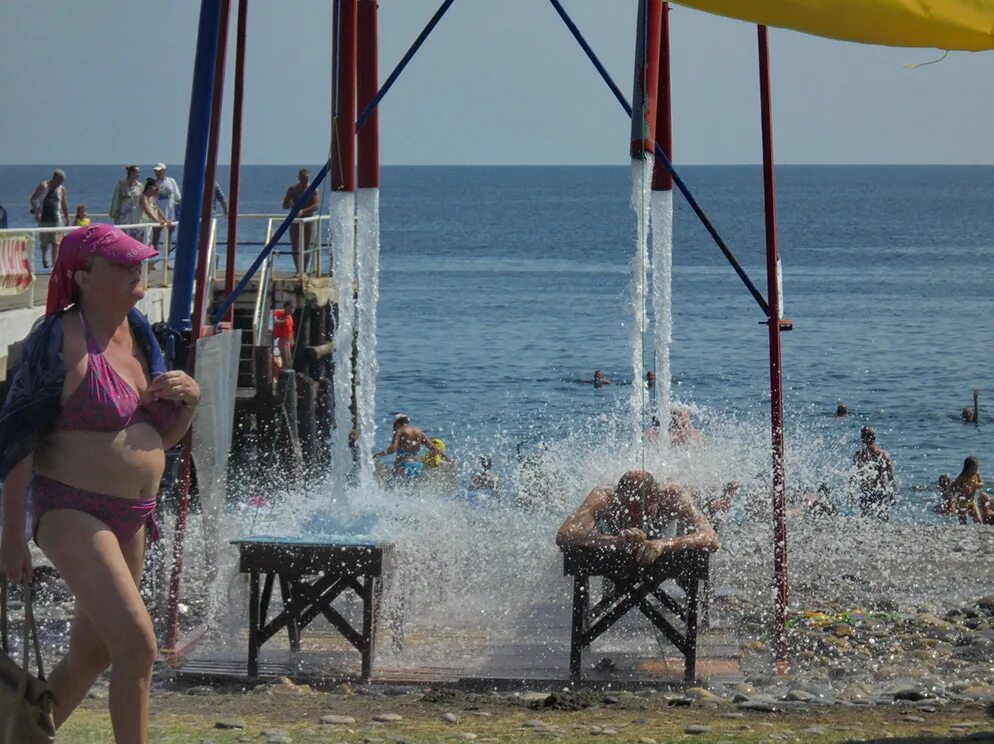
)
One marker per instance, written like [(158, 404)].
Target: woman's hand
[(15, 559), (175, 385)]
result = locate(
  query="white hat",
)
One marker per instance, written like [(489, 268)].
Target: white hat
[(400, 417), (158, 167)]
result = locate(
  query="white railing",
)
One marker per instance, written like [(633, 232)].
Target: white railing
[(157, 274)]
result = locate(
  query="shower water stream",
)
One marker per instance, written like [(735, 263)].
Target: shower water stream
[(343, 249), (641, 182), (367, 257), (662, 298)]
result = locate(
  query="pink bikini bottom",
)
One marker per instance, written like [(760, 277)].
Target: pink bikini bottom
[(124, 517)]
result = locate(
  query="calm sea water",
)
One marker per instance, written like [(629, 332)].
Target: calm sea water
[(501, 287)]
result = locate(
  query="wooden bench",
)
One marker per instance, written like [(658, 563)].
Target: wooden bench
[(312, 573), (633, 586)]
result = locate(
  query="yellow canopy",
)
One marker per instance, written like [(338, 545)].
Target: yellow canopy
[(943, 24)]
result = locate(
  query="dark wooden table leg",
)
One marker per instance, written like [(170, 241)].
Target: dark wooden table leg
[(368, 602), (690, 658), (254, 622), (581, 596), (293, 621)]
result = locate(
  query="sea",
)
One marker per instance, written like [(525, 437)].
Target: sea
[(502, 289)]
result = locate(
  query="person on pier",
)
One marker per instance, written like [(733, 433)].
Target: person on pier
[(638, 516), (406, 444), (302, 233), (872, 479), (89, 414)]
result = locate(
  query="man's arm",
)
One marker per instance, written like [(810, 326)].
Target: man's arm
[(33, 201), (701, 537), (578, 529), (65, 205), (976, 406), (288, 199), (312, 206), (394, 443)]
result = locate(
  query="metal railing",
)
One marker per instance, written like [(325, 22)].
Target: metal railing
[(153, 275)]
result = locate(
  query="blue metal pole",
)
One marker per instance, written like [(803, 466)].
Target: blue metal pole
[(323, 173), (661, 156), (198, 128)]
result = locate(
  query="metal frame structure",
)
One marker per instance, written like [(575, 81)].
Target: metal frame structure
[(349, 25)]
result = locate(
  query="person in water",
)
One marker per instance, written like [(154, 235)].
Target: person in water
[(682, 429), (89, 414), (635, 516), (841, 410), (965, 492), (972, 416), (872, 479), (407, 442), (600, 379), (484, 485)]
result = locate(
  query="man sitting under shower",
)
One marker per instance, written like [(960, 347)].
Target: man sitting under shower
[(640, 516)]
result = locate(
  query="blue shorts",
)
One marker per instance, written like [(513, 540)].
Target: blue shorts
[(409, 470)]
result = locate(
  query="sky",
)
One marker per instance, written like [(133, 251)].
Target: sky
[(498, 82)]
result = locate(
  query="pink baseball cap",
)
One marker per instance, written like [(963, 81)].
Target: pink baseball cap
[(77, 247)]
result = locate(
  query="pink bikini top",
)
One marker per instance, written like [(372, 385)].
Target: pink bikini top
[(105, 402)]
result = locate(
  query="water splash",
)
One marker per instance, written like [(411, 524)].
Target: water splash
[(662, 297), (368, 271), (343, 247), (641, 183)]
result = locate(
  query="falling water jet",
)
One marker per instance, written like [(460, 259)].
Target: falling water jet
[(343, 245), (641, 180), (662, 297), (367, 258)]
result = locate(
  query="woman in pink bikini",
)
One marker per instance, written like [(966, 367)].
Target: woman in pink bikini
[(89, 414)]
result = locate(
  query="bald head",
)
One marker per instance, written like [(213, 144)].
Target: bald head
[(636, 484)]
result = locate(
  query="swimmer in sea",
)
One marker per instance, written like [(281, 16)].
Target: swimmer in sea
[(650, 379), (872, 478), (682, 429), (484, 485), (841, 411), (600, 379), (406, 444), (972, 416)]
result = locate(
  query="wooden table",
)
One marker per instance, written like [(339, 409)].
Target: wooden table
[(634, 586), (312, 573)]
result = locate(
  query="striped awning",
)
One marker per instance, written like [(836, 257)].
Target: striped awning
[(966, 25), (15, 264)]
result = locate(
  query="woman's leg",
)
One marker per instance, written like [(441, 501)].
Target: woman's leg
[(111, 622)]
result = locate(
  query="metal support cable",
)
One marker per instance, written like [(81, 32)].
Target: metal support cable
[(323, 173), (661, 155)]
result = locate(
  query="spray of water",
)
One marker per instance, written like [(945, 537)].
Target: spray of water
[(641, 182), (662, 297), (368, 268), (343, 245)]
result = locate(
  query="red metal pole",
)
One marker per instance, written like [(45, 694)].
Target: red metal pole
[(776, 380), (199, 300), (236, 154), (368, 150), (647, 82), (661, 178), (343, 144)]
